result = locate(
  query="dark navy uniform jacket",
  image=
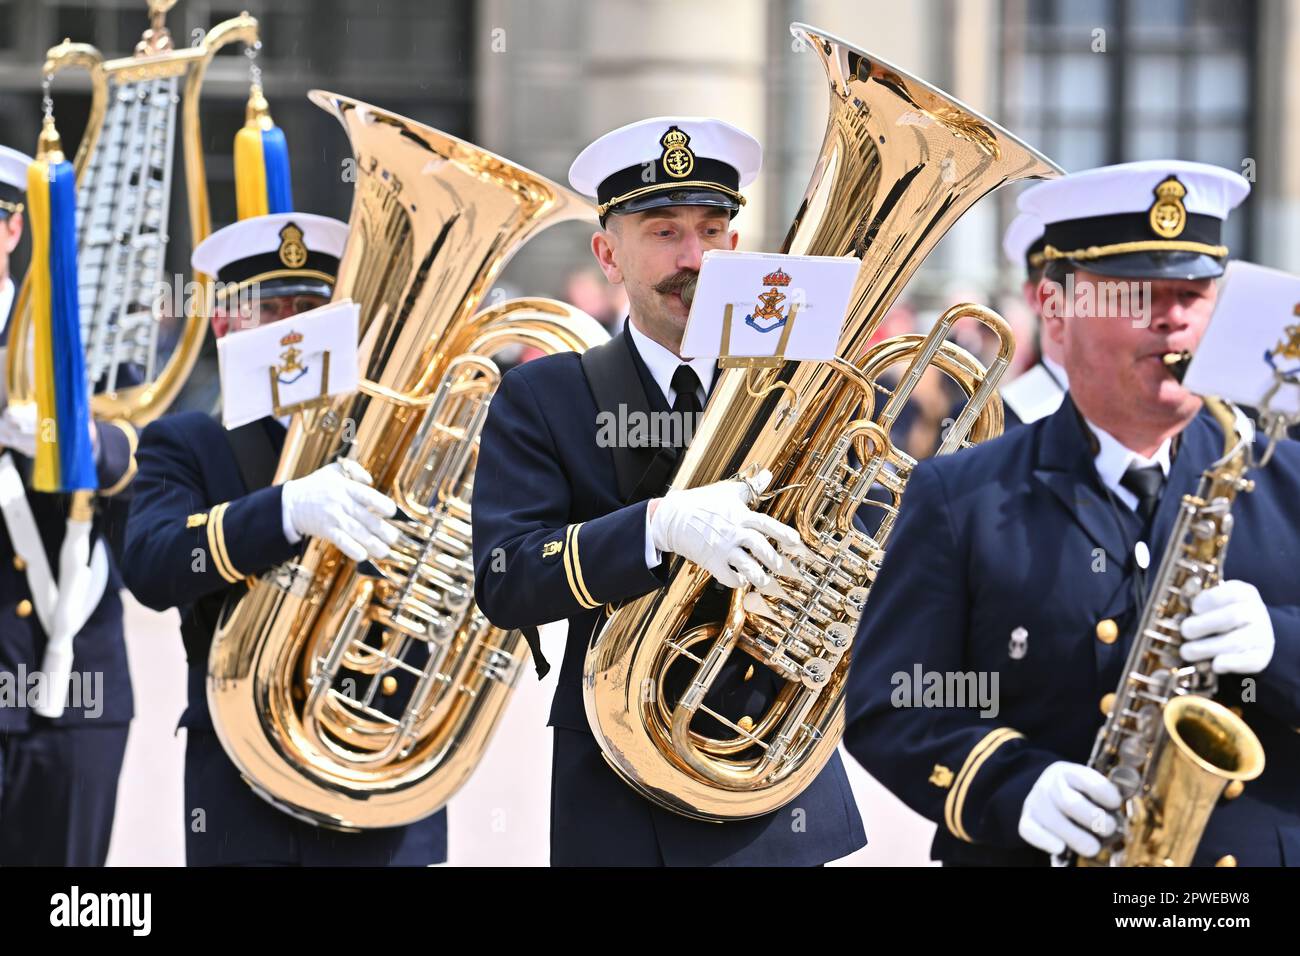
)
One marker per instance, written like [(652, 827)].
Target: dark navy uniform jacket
[(196, 531), (99, 647), (1021, 533), (542, 478)]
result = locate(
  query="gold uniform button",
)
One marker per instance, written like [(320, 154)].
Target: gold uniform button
[(19, 563), (388, 686), (1107, 704), (24, 608), (746, 723), (1233, 790), (1228, 860), (1107, 631)]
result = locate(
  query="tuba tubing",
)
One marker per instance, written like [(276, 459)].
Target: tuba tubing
[(900, 162), (434, 219)]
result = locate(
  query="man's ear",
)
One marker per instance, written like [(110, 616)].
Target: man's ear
[(1049, 298), (220, 323), (734, 237), (602, 247), (13, 231), (1029, 290)]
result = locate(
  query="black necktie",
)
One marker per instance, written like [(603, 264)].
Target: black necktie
[(686, 385), (1146, 483), (686, 401)]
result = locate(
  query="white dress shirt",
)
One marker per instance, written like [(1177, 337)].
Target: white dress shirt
[(662, 365), (1113, 459)]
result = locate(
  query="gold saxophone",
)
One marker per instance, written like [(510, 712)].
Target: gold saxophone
[(900, 163), (300, 663), (1169, 749)]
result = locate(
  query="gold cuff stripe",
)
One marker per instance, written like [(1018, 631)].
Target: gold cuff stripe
[(667, 187), (217, 544), (133, 443), (132, 436), (122, 482), (954, 805), (1142, 245), (573, 568)]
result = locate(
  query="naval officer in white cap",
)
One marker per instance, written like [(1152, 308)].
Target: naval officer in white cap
[(203, 489), (565, 527), (1049, 535), (59, 767), (1036, 392), (13, 190)]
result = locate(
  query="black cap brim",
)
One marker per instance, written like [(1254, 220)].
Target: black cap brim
[(1155, 265), (677, 197), (280, 287)]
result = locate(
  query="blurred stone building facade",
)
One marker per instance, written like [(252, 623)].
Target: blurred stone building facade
[(1086, 81)]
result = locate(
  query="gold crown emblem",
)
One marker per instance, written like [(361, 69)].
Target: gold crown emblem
[(677, 158), (293, 252), (1171, 188), (778, 277), (674, 137), (1168, 215), (293, 338)]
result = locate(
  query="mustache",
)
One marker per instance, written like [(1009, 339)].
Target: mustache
[(681, 283)]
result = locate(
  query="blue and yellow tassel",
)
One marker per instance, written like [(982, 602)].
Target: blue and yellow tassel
[(65, 460), (261, 162)]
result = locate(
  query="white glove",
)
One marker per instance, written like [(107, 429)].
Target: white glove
[(337, 503), (18, 428), (1229, 626), (1066, 807), (713, 526)]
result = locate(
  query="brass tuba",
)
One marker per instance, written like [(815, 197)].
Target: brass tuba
[(299, 665), (900, 163)]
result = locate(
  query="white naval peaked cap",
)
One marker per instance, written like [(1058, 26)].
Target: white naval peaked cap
[(668, 160), (1154, 218), (13, 176), (1021, 236), (278, 245)]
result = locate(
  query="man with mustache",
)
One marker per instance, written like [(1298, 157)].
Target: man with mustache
[(1031, 557), (567, 524)]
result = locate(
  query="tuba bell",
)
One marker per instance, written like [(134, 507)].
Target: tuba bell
[(300, 663), (900, 163)]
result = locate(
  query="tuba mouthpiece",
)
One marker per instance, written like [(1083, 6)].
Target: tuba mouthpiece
[(688, 289)]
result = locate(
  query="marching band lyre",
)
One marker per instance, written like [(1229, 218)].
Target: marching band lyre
[(124, 170)]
